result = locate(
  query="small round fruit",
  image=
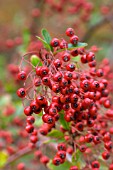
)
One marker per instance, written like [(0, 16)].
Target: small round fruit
[(21, 92)]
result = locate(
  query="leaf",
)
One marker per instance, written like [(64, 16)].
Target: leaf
[(34, 60), (65, 166), (38, 121), (54, 141), (3, 158), (77, 159), (63, 122), (78, 45), (46, 45), (76, 156), (46, 36), (76, 59), (102, 164), (103, 167), (72, 47), (56, 134)]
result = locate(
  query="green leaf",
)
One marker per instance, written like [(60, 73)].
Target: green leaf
[(56, 134), (65, 166), (46, 45), (76, 58), (63, 122), (46, 36), (103, 167), (54, 141), (3, 158), (77, 159), (34, 60), (102, 164), (78, 45), (38, 121), (72, 47)]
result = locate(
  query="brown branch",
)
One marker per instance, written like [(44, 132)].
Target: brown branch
[(93, 28), (17, 155)]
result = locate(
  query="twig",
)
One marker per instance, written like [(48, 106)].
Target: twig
[(17, 155)]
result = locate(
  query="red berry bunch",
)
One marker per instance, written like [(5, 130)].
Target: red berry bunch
[(68, 89)]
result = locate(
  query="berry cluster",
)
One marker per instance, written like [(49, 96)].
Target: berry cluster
[(68, 82)]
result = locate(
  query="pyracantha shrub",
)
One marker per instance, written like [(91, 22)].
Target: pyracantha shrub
[(67, 90)]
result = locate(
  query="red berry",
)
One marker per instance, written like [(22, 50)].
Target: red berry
[(57, 77), (108, 145), (70, 67), (70, 32), (34, 106), (40, 100), (33, 138), (30, 119), (99, 73), (52, 111), (57, 160), (46, 81), (90, 56), (66, 57), (49, 119), (92, 63), (68, 75), (44, 160), (107, 137), (27, 111), (89, 138), (111, 167), (95, 164), (79, 126), (61, 147), (22, 75), (29, 128), (37, 82), (83, 148), (55, 42), (107, 103), (35, 12), (56, 88), (44, 71), (74, 39), (38, 154), (38, 71), (73, 168), (96, 139), (57, 63), (21, 92), (74, 53), (21, 166), (61, 154), (105, 155), (84, 59), (63, 44)]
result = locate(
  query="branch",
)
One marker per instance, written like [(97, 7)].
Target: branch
[(17, 155)]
